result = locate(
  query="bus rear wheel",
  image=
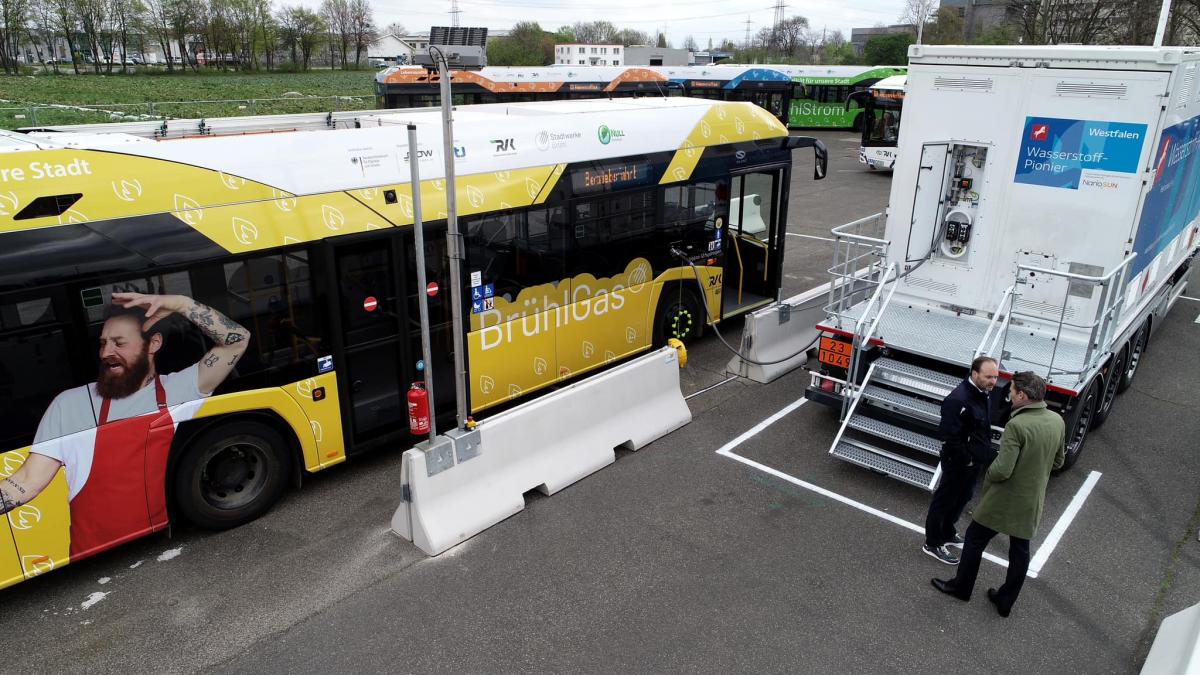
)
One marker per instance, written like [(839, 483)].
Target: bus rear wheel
[(231, 474), (1079, 421), (680, 315)]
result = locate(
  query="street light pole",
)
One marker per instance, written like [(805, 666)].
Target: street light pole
[(1163, 14), (454, 239)]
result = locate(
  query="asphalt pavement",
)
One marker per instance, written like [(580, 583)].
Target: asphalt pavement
[(731, 545)]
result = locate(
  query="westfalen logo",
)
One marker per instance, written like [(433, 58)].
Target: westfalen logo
[(504, 146), (607, 134), (1039, 132)]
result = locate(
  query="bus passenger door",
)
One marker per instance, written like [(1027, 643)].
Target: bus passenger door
[(754, 248), (369, 316)]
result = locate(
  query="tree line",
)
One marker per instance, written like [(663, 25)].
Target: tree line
[(109, 35)]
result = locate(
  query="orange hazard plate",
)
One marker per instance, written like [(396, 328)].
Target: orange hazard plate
[(834, 352)]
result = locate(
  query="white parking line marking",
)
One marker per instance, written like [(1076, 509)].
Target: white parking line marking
[(1185, 297), (810, 236), (1064, 521), (727, 451), (710, 387)]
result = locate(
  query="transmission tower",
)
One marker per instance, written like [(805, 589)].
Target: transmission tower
[(778, 23), (454, 13), (747, 22)]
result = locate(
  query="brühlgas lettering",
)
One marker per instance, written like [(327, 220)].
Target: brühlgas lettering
[(577, 305), (43, 170)]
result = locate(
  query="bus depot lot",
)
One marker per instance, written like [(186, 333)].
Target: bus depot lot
[(676, 558)]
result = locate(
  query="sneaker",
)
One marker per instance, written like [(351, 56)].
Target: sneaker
[(941, 553), (956, 540)]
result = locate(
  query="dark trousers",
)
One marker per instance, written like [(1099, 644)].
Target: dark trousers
[(977, 538), (952, 495)]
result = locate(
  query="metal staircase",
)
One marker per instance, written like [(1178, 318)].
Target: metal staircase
[(889, 417), (890, 425)]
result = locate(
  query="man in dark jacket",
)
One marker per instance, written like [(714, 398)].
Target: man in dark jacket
[(1014, 491), (966, 431)]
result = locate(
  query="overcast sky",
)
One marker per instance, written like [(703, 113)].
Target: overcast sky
[(702, 19)]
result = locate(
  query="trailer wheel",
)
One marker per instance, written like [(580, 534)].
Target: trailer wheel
[(1079, 421), (231, 474), (1135, 349), (1112, 381), (680, 315)]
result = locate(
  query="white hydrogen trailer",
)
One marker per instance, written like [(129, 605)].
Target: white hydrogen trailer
[(1043, 212)]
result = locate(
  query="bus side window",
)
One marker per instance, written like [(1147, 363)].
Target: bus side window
[(34, 364), (517, 250), (272, 297)]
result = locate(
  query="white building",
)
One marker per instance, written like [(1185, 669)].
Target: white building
[(578, 54)]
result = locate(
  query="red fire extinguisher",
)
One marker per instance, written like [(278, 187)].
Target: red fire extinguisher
[(418, 409)]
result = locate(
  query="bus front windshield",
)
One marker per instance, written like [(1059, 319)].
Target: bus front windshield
[(884, 121)]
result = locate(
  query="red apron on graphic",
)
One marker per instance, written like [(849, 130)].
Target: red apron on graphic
[(125, 494)]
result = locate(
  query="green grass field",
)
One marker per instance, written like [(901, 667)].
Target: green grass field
[(177, 95)]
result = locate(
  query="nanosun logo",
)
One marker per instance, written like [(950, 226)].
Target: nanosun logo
[(1039, 132)]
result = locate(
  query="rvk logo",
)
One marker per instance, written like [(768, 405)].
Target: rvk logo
[(504, 145), (1039, 132)]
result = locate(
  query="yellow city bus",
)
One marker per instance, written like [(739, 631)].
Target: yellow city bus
[(195, 313)]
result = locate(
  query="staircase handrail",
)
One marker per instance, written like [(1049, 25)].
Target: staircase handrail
[(860, 337), (997, 324)]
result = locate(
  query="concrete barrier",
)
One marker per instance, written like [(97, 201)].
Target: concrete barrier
[(1176, 649), (777, 331), (460, 486)]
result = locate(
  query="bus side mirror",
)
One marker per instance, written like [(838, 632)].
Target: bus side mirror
[(822, 154), (822, 157)]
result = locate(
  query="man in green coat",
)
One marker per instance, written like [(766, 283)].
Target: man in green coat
[(1014, 490)]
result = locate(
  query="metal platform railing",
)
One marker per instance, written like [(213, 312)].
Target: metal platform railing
[(1099, 330), (859, 255)]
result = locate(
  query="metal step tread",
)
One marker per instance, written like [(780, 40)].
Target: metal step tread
[(923, 408), (885, 462), (905, 437), (922, 380)]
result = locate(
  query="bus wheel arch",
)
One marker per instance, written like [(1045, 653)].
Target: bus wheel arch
[(232, 469), (679, 313)]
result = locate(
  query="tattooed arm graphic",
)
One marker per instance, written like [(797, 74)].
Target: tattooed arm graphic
[(229, 339)]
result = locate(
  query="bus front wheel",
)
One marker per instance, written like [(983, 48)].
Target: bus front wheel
[(231, 474), (680, 315)]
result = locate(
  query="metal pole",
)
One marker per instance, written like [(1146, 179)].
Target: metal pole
[(1163, 14), (422, 296), (453, 240)]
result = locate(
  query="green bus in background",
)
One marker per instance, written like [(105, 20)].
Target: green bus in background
[(821, 100)]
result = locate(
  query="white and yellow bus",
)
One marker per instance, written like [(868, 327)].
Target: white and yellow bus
[(194, 314)]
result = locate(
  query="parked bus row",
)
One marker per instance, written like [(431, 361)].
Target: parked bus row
[(188, 326), (799, 96)]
